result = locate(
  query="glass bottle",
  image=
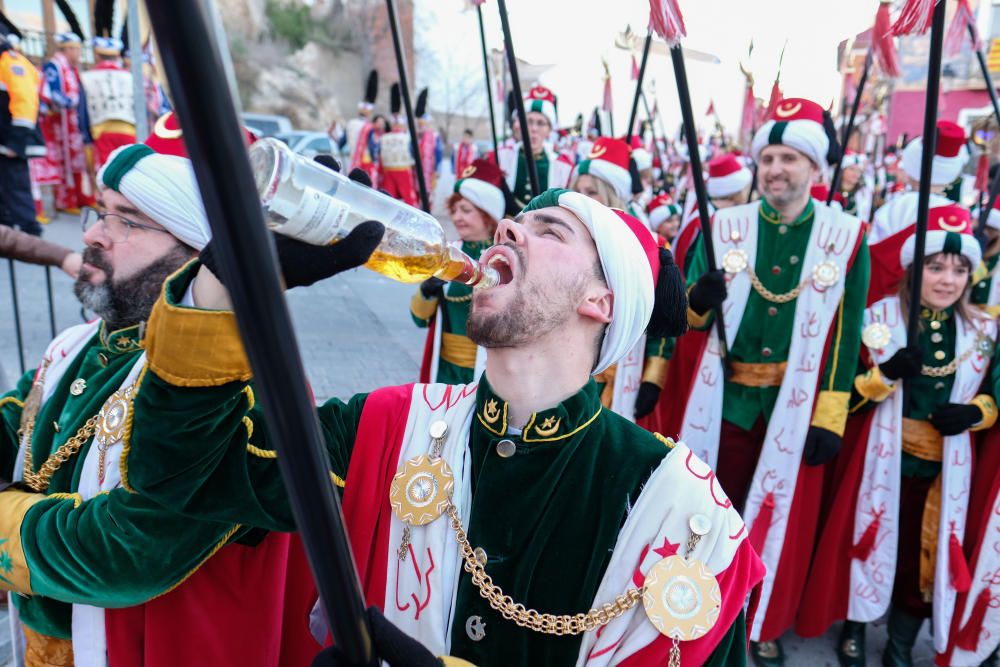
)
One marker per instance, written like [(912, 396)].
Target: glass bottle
[(307, 201)]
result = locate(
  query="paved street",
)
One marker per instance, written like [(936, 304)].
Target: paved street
[(355, 334)]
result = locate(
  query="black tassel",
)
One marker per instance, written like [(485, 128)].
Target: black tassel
[(421, 106), (70, 16), (371, 88), (833, 155), (395, 99), (633, 171), (104, 17), (669, 318)]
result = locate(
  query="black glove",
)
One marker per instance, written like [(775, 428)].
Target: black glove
[(708, 292), (432, 288), (821, 446), (955, 418), (905, 364), (304, 264), (391, 644), (646, 400)]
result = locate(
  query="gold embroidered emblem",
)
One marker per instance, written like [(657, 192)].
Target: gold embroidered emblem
[(538, 93), (78, 387), (681, 598), (111, 418), (124, 343), (421, 491), (786, 109), (548, 427), (491, 411), (468, 171), (597, 151), (876, 335), (951, 224)]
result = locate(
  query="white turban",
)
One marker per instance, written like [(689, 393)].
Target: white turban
[(161, 186), (630, 259)]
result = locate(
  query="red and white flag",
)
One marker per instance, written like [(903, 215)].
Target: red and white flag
[(665, 19), (882, 45), (914, 18), (608, 105)]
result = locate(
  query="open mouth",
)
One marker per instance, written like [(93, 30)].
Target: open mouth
[(502, 262)]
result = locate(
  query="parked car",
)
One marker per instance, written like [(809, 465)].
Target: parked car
[(267, 125), (308, 143)]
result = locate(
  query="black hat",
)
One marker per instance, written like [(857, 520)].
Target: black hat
[(371, 92), (420, 110)]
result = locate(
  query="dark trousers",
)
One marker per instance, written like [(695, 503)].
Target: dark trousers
[(906, 594), (738, 454), (17, 207)]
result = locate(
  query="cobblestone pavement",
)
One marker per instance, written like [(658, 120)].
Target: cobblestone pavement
[(355, 334)]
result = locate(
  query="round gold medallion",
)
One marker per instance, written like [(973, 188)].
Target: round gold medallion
[(681, 598), (421, 491), (876, 335), (735, 260), (111, 418), (826, 274)]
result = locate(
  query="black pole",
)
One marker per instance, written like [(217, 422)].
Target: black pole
[(404, 87), (522, 117), (489, 91), (247, 261), (17, 314), (835, 181), (656, 145), (694, 158), (52, 306), (987, 79), (926, 164), (638, 86)]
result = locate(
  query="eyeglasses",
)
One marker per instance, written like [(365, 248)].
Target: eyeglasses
[(116, 227)]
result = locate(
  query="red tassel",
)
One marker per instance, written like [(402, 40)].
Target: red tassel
[(983, 173), (762, 524), (914, 17), (961, 580), (967, 638), (666, 20), (884, 47), (958, 30), (866, 543)]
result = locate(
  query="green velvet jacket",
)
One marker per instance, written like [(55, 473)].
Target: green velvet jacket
[(765, 333), (118, 549), (456, 315), (981, 288), (522, 184), (548, 517)]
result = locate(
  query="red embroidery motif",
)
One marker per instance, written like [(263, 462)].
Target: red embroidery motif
[(422, 581), (446, 398), (709, 477)]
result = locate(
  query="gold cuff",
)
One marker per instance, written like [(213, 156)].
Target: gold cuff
[(458, 350), (830, 411), (14, 505), (696, 321), (452, 661), (655, 371), (192, 347), (423, 309), (873, 386), (988, 406)]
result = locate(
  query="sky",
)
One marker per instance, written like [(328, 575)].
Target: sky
[(574, 35)]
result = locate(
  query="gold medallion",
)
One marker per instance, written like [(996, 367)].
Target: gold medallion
[(826, 274), (421, 491), (111, 418), (876, 335), (735, 260), (682, 598)]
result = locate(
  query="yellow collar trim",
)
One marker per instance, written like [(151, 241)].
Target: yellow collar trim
[(526, 436)]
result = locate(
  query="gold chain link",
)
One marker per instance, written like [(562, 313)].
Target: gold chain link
[(945, 371), (551, 624), (39, 481), (458, 299), (768, 294)]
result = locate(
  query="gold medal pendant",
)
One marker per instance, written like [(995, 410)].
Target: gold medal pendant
[(111, 426), (826, 274), (876, 335), (681, 598), (421, 491), (735, 260)]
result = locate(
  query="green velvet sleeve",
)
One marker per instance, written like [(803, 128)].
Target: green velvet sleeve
[(732, 649), (205, 452), (661, 347), (10, 420), (845, 347), (118, 549)]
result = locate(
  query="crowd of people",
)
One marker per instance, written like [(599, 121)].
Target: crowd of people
[(659, 437)]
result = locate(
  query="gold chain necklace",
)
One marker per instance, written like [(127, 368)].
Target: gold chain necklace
[(550, 624), (458, 299), (758, 287), (945, 371), (39, 481)]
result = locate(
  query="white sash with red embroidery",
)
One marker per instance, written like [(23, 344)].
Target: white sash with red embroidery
[(628, 378), (878, 497), (89, 642), (984, 594), (834, 237), (420, 591), (477, 370)]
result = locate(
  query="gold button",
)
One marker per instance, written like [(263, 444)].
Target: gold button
[(939, 385), (782, 229), (939, 355), (766, 352), (772, 311), (55, 426), (935, 325), (102, 358), (480, 555), (506, 449), (936, 337), (793, 260)]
